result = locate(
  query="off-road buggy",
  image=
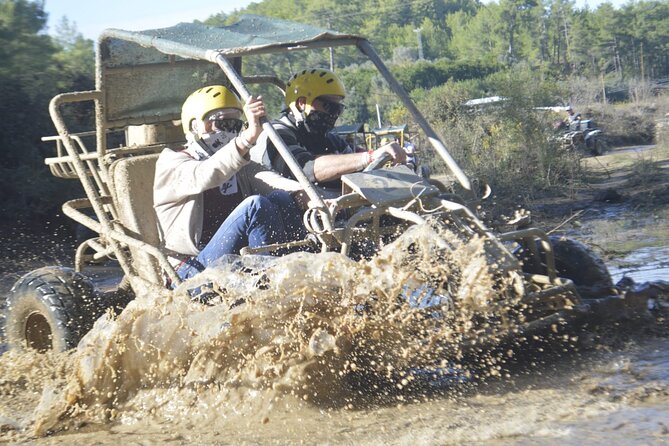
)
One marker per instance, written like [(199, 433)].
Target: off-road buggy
[(361, 140), (406, 139), (141, 81)]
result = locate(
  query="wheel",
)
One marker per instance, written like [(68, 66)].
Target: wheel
[(50, 308), (378, 163), (598, 147), (574, 261)]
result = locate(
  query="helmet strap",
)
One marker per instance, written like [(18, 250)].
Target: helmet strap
[(300, 116)]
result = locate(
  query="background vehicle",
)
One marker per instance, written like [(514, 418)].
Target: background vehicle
[(141, 80), (582, 135), (355, 135), (406, 139)]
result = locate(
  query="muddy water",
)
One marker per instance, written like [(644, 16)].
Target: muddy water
[(643, 265), (316, 349)]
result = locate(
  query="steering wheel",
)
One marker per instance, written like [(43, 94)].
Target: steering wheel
[(378, 163)]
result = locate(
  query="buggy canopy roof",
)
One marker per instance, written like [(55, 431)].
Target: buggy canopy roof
[(388, 130), (250, 35), (146, 75), (348, 129)]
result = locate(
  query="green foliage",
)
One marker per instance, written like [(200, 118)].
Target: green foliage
[(34, 69), (535, 53), (509, 145), (429, 74)]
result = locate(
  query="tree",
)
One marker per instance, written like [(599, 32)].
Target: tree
[(75, 59), (515, 15), (30, 75)]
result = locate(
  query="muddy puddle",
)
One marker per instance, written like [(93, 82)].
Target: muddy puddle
[(319, 349), (643, 265)]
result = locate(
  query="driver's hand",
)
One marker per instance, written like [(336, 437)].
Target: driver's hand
[(397, 153)]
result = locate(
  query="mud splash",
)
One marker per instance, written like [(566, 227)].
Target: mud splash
[(275, 331)]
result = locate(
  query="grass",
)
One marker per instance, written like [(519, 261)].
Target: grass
[(638, 166), (630, 231)]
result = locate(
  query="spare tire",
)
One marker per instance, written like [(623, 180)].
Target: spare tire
[(50, 308), (574, 261)]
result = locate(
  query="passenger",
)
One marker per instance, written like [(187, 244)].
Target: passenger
[(201, 212), (314, 102), (410, 150)]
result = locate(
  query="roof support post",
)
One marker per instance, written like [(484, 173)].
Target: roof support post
[(280, 145)]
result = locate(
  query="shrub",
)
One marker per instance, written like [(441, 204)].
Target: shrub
[(509, 145)]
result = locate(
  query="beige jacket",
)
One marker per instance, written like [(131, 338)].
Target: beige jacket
[(180, 181)]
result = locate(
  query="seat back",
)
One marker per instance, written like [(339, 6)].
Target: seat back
[(132, 189)]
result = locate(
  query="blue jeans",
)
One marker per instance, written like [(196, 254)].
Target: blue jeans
[(256, 221)]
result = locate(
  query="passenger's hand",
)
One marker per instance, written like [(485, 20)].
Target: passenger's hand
[(254, 109), (393, 149)]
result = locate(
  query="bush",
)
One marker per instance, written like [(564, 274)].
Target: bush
[(429, 74), (509, 145), (624, 124)]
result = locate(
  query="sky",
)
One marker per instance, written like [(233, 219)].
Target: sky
[(93, 16)]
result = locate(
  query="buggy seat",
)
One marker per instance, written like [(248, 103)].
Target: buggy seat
[(131, 181)]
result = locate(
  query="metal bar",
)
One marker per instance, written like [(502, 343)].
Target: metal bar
[(187, 51), (362, 214), (367, 49), (81, 168), (406, 215), (529, 234), (58, 137), (280, 145), (541, 296), (70, 208)]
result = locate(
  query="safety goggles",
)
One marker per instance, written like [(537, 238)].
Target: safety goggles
[(226, 124), (332, 108)]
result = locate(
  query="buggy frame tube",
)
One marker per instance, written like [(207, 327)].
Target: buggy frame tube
[(94, 199), (80, 166), (530, 234), (280, 145), (71, 209), (366, 48)]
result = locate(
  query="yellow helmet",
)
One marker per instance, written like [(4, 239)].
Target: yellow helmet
[(206, 99), (312, 84)]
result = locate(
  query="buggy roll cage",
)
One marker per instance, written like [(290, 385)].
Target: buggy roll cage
[(142, 78)]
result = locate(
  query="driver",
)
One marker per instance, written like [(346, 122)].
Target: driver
[(314, 102)]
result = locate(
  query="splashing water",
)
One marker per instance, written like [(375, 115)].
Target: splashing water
[(303, 326)]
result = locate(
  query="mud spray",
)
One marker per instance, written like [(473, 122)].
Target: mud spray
[(281, 341)]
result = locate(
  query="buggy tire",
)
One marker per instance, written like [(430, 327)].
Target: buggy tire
[(577, 262), (50, 308)]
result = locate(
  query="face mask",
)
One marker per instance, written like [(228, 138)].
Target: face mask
[(319, 122), (212, 142)]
